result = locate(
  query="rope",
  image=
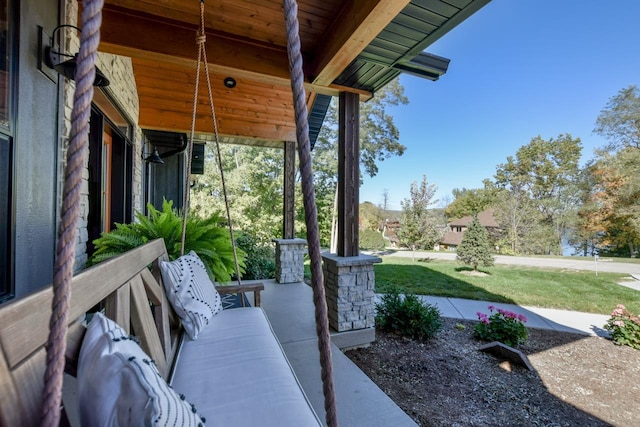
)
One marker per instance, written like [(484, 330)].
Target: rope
[(201, 39), (65, 251), (311, 216)]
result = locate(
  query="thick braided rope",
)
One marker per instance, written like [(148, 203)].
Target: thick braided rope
[(65, 251), (311, 216)]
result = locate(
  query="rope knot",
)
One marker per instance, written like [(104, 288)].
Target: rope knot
[(201, 38)]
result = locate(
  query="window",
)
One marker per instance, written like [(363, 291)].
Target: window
[(6, 146)]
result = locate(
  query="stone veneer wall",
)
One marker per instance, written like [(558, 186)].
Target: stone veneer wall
[(349, 285), (290, 260), (123, 91)]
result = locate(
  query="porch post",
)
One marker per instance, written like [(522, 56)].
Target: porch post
[(289, 250), (348, 173), (288, 212), (348, 276)]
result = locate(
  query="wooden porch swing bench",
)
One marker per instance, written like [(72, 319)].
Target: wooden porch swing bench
[(235, 373)]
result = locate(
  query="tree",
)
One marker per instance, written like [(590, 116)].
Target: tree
[(619, 121), (611, 213), (384, 205), (520, 221), (370, 216), (548, 171), (418, 225), (471, 201), (475, 248)]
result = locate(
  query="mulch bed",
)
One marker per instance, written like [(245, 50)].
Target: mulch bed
[(578, 380)]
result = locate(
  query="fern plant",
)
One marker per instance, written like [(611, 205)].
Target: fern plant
[(205, 236)]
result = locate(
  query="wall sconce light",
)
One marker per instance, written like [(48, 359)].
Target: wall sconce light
[(54, 59), (154, 157)]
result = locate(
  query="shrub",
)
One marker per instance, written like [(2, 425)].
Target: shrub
[(624, 327), (504, 326), (407, 316), (372, 240), (207, 237), (261, 258)]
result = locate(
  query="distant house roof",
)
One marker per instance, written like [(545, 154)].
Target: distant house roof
[(452, 238), (485, 217)]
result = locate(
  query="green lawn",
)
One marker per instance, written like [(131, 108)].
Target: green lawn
[(541, 287)]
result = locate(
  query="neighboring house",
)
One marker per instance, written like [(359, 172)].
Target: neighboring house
[(453, 237)]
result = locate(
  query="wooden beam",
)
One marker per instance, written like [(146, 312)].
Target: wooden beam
[(348, 174), (359, 22), (148, 37), (125, 32), (288, 221)]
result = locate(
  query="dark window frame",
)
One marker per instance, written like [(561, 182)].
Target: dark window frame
[(9, 64)]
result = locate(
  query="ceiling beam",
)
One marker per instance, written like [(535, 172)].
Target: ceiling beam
[(139, 35), (358, 23)]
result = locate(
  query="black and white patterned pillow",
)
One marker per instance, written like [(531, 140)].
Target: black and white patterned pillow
[(190, 292), (119, 385)]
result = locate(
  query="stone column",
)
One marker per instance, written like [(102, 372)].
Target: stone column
[(290, 260), (349, 284)]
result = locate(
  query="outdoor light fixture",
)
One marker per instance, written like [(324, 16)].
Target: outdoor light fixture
[(54, 59), (230, 82), (154, 157)]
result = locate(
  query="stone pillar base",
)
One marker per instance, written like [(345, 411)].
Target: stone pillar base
[(349, 283), (290, 260)]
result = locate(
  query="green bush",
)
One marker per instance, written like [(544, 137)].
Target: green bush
[(407, 316), (261, 258), (371, 240), (207, 237), (503, 326), (624, 327)]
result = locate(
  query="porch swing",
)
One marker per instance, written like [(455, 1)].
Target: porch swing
[(17, 365)]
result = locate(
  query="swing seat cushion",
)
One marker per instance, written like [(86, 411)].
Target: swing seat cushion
[(190, 292), (237, 374)]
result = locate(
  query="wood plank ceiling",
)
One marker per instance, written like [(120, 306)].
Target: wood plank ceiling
[(246, 40)]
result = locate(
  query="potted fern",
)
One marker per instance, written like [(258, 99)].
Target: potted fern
[(205, 236)]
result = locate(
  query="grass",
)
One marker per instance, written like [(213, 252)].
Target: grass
[(540, 287)]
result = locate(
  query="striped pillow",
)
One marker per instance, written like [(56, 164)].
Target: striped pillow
[(190, 292), (119, 385)]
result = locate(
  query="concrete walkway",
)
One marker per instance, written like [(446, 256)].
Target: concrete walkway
[(541, 318)]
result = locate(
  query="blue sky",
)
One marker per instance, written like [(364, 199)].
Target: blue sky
[(519, 68)]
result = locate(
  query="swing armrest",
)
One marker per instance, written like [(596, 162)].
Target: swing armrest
[(256, 288)]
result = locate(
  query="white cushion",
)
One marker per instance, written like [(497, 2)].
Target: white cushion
[(238, 375), (119, 385), (190, 292)]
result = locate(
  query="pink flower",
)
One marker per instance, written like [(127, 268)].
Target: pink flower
[(522, 318), (619, 323), (491, 308), (618, 311), (621, 307)]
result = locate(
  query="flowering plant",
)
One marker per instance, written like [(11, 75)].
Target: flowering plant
[(501, 325), (624, 327)]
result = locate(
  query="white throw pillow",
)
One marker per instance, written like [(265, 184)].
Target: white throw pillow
[(119, 385), (190, 292)]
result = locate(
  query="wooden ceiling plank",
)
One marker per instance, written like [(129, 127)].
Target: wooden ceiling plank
[(358, 24), (142, 36), (152, 118)]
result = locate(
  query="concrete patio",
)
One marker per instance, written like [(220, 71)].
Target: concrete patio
[(360, 402)]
